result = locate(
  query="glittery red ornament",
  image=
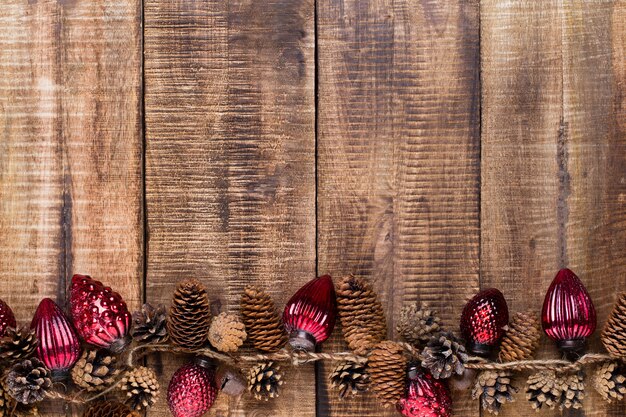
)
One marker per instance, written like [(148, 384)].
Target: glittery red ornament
[(568, 314), (99, 314), (59, 346), (192, 389), (484, 320), (310, 314), (7, 319), (425, 396)]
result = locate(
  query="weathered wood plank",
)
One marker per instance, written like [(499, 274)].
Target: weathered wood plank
[(398, 159), (230, 165)]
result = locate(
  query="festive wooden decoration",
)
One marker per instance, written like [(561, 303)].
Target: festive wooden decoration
[(484, 320)]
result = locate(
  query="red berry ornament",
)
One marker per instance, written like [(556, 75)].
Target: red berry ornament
[(484, 321), (59, 346), (192, 390), (7, 318), (99, 314), (425, 396), (310, 315), (568, 314)]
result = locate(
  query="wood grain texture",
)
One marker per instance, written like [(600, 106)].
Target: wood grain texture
[(230, 164), (398, 165), (553, 148)]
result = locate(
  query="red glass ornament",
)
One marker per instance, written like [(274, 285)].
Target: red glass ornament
[(310, 314), (192, 389), (425, 396), (59, 346), (568, 315), (7, 318), (484, 320), (99, 314)]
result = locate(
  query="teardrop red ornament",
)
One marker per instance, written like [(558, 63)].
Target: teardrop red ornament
[(425, 396), (568, 315), (59, 346), (484, 320), (99, 314), (192, 389), (310, 314), (7, 318)]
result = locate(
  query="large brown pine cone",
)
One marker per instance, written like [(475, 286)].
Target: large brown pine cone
[(227, 333), (141, 387), (150, 324), (610, 381), (95, 370), (614, 333), (349, 378), (109, 409), (417, 324), (362, 317), (264, 380), (522, 339), (494, 389), (573, 388), (387, 369), (263, 324), (28, 381), (444, 355), (544, 389), (17, 344), (190, 315)]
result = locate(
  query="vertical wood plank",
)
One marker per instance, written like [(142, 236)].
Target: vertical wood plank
[(230, 164), (553, 156), (398, 167)]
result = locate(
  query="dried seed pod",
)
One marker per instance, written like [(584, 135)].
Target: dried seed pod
[(349, 378), (444, 356), (141, 387), (227, 333), (522, 338), (95, 370), (262, 320), (150, 324), (264, 380), (387, 369), (418, 324), (494, 389), (28, 381), (610, 381), (17, 344), (614, 333), (190, 315)]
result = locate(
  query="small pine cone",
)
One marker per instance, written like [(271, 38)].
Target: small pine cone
[(573, 391), (17, 344), (264, 379), (150, 324), (141, 386), (28, 381), (417, 324), (614, 333), (109, 409), (7, 403), (544, 388), (190, 315), (227, 333), (494, 389), (262, 321), (444, 355), (522, 339), (95, 370), (350, 378), (387, 369), (610, 381), (362, 317)]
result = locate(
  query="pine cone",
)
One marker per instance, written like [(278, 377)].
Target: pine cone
[(350, 378), (418, 324), (362, 317), (109, 409), (544, 388), (494, 389), (28, 381), (387, 369), (17, 344), (95, 370), (190, 315), (7, 403), (141, 386), (573, 391), (150, 324), (444, 355), (614, 333), (610, 381), (227, 333), (263, 324), (522, 339), (264, 380)]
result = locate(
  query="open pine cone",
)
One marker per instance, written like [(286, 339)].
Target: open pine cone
[(17, 344), (444, 355), (7, 403), (262, 321), (387, 369), (28, 381), (108, 409), (95, 370), (543, 388), (417, 324), (522, 339), (141, 387), (190, 315), (494, 389), (264, 380), (150, 324), (610, 381), (227, 333), (614, 333), (573, 391), (349, 378)]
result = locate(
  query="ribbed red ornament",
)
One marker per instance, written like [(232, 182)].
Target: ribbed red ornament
[(99, 314), (7, 318), (568, 314), (192, 390), (484, 320), (425, 396), (59, 346), (310, 314)]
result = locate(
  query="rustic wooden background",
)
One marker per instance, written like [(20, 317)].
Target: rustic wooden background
[(434, 146)]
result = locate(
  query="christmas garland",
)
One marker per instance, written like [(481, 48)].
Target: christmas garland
[(91, 357)]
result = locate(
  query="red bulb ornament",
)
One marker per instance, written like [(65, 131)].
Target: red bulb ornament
[(310, 314), (7, 318), (192, 389), (568, 315), (99, 314), (59, 346), (425, 396), (484, 320)]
